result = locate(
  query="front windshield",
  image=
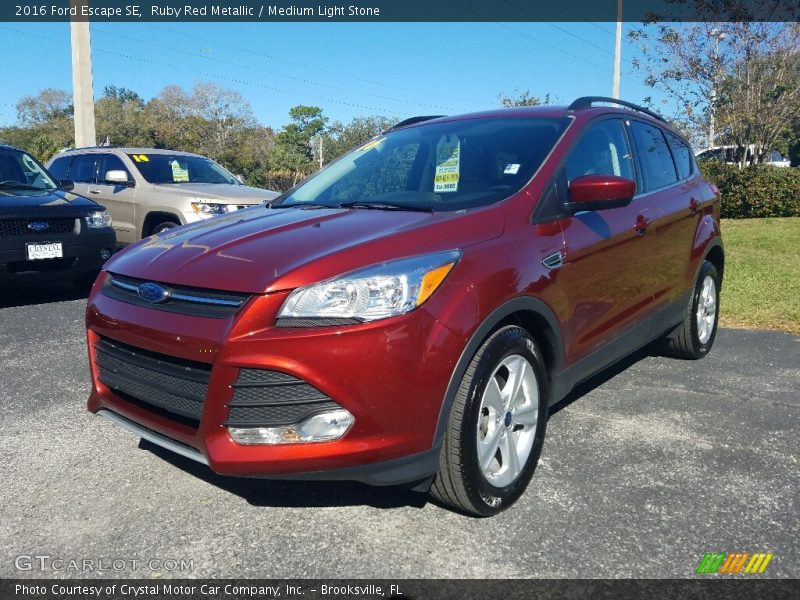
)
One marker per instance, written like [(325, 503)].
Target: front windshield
[(436, 166), (180, 168), (20, 171)]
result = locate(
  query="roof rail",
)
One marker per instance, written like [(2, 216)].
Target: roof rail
[(412, 121), (587, 102)]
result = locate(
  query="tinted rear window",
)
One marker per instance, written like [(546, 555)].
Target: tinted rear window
[(658, 170), (682, 155), (59, 167)]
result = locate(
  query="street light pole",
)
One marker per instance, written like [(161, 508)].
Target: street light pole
[(82, 88), (718, 36), (617, 50)]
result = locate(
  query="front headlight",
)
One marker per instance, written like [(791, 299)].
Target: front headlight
[(98, 218), (377, 292), (208, 209)]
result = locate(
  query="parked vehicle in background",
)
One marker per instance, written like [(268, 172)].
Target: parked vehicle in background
[(148, 190), (45, 230), (409, 314), (730, 155)]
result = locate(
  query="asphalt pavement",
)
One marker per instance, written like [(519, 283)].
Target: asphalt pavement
[(644, 470)]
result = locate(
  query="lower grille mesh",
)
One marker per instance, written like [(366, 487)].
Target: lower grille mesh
[(264, 398), (175, 387)]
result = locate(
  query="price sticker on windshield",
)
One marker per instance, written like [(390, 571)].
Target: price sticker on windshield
[(448, 164)]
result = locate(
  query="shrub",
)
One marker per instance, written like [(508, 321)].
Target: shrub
[(755, 191)]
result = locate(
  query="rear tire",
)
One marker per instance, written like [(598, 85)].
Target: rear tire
[(496, 427), (695, 336)]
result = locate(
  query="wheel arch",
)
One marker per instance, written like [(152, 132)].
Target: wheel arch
[(533, 315), (158, 216)]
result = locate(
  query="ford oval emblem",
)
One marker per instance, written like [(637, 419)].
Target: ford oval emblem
[(39, 226), (152, 293)]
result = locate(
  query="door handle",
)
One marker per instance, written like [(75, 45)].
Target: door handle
[(693, 206), (94, 191), (641, 225)]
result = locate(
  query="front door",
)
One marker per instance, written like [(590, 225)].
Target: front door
[(609, 254), (119, 199)]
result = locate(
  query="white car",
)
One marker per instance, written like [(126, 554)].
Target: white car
[(726, 155)]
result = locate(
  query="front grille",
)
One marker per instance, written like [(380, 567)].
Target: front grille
[(170, 386), (264, 398), (196, 302), (11, 227)]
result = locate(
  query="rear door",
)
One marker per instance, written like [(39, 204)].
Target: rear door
[(608, 255), (119, 199), (674, 196)]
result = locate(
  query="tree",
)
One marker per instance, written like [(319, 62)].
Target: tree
[(340, 138), (48, 105), (119, 114), (293, 152), (524, 98), (737, 81)]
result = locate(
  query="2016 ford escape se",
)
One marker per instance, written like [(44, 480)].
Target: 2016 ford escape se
[(408, 314)]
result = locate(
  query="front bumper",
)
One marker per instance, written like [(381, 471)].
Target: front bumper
[(81, 255), (390, 375)]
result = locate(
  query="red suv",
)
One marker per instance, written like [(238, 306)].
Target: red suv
[(408, 314)]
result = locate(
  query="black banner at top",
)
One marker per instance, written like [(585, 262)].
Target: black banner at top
[(397, 10)]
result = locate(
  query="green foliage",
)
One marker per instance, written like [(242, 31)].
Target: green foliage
[(341, 138), (293, 151), (524, 98), (755, 191)]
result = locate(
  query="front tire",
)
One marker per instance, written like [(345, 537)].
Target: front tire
[(163, 226), (695, 336), (496, 428)]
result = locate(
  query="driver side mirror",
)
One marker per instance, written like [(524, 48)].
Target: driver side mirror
[(598, 192), (66, 184), (118, 177)]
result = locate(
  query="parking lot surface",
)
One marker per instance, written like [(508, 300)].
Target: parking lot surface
[(644, 470)]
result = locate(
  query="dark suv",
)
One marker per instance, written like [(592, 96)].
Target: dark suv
[(408, 314), (47, 232)]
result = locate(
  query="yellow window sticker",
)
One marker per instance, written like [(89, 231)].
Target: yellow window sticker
[(140, 157), (372, 144), (179, 174), (448, 163)]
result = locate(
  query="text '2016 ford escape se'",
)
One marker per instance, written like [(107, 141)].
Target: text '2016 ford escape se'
[(408, 314)]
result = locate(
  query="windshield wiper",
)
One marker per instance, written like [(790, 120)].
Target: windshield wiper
[(9, 185), (301, 205), (385, 206)]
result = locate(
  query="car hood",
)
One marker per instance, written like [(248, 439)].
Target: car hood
[(260, 249), (218, 192), (43, 204)]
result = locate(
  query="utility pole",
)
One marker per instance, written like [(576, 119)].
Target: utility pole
[(617, 50), (320, 150), (82, 89)]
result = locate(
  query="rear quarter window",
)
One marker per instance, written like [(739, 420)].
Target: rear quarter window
[(682, 155)]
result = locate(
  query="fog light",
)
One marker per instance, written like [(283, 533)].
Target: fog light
[(105, 254), (322, 427)]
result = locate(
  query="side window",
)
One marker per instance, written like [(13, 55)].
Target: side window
[(681, 154), (658, 170), (603, 150), (109, 162), (83, 168), (59, 167)]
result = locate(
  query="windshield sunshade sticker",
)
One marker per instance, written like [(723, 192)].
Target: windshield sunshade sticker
[(372, 144), (179, 174), (448, 164)]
